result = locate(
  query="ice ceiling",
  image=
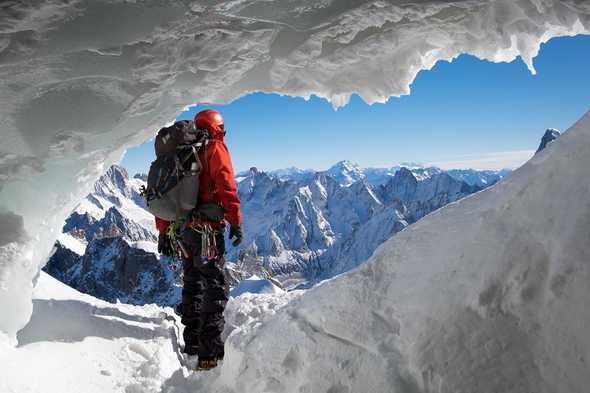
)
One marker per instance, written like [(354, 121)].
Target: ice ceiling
[(82, 80)]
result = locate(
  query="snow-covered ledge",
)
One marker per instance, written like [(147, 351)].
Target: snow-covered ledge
[(81, 80)]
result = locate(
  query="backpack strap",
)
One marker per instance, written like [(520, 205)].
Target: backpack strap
[(178, 167), (206, 163), (206, 154)]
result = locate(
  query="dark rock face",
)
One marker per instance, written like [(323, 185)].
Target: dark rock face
[(111, 225), (64, 264), (419, 198), (550, 135), (113, 270), (116, 229)]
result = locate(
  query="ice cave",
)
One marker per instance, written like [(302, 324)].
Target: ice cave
[(500, 307)]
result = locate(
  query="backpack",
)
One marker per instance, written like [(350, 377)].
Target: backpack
[(173, 179)]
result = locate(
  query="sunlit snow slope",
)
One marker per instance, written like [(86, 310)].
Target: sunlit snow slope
[(81, 80), (485, 295), (76, 343)]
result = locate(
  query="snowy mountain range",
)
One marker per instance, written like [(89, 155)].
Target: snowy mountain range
[(309, 227), (300, 226), (108, 246), (346, 173)]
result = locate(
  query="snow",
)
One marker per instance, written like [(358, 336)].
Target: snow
[(48, 287), (255, 284), (72, 243), (145, 246), (346, 173), (75, 342), (75, 92)]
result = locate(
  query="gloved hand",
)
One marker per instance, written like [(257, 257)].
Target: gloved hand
[(164, 246), (236, 231)]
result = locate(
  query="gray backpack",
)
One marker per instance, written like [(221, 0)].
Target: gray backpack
[(173, 179)]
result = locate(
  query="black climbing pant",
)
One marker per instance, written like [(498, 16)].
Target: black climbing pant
[(204, 296)]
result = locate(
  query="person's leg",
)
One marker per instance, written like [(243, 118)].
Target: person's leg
[(192, 293), (215, 298)]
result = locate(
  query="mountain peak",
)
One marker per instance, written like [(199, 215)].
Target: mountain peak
[(345, 172), (116, 174), (117, 169), (116, 178), (411, 165), (550, 135), (345, 165), (404, 173)]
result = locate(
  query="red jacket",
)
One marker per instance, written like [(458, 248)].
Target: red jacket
[(216, 183)]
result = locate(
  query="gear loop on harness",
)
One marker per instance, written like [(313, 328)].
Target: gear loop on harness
[(208, 234)]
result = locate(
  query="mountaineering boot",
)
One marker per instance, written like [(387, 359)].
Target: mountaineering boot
[(205, 364)]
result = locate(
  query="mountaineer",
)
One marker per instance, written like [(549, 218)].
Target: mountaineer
[(192, 192)]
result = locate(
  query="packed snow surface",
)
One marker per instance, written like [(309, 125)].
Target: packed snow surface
[(255, 284), (76, 343), (72, 243)]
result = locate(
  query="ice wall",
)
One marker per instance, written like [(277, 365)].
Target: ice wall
[(82, 80)]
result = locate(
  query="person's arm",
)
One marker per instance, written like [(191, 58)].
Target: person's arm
[(162, 225), (222, 175)]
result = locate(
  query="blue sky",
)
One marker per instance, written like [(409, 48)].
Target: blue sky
[(468, 113)]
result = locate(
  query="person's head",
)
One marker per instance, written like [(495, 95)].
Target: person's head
[(210, 120)]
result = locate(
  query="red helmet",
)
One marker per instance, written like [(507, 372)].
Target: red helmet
[(211, 120)]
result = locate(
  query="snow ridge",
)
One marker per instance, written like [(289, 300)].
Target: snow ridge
[(315, 226)]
